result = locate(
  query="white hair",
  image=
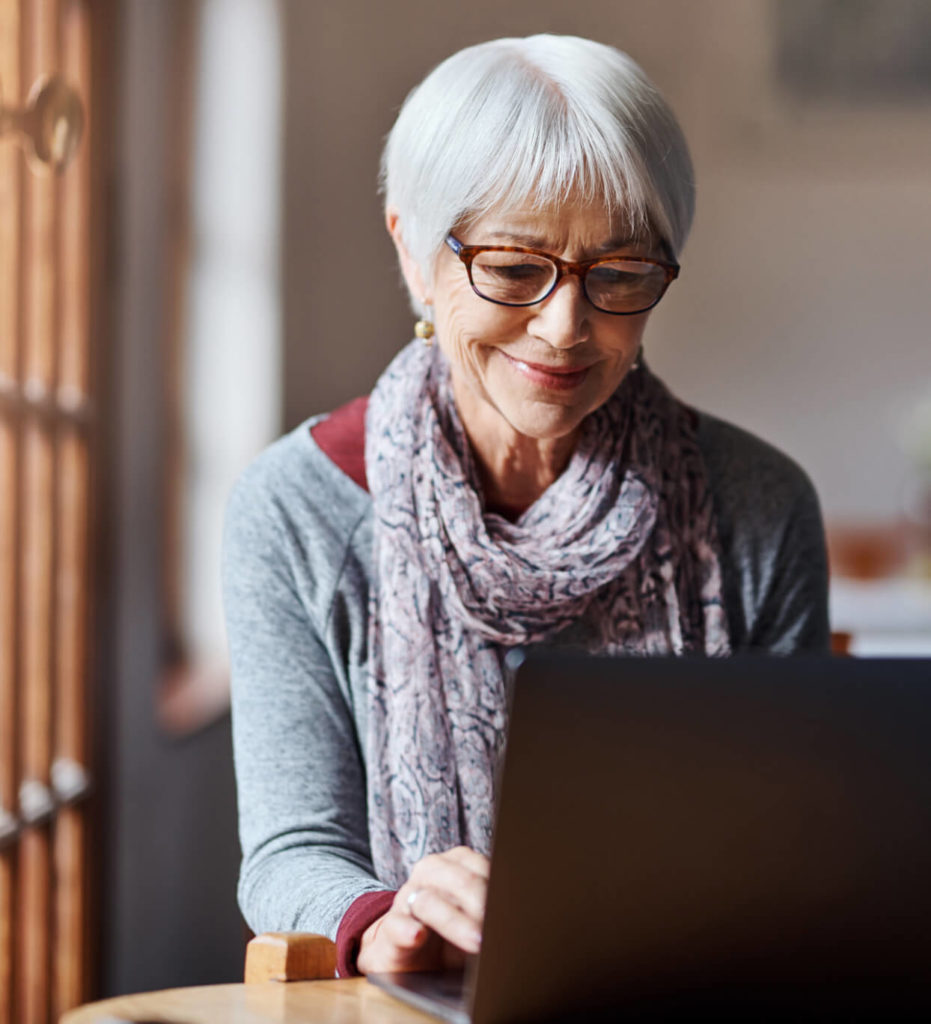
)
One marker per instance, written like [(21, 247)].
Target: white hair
[(538, 119)]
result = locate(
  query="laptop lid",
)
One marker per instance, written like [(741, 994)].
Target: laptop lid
[(692, 838)]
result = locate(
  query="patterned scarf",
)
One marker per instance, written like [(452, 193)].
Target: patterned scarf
[(624, 542)]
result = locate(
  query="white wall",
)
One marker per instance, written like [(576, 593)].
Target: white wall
[(232, 332), (803, 311)]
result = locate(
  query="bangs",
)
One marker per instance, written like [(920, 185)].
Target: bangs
[(551, 154), (543, 121)]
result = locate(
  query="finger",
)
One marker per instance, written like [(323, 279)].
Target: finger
[(434, 909), (402, 930), (393, 943), (458, 884), (476, 862), (404, 898)]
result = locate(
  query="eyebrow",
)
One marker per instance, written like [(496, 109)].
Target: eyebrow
[(535, 242)]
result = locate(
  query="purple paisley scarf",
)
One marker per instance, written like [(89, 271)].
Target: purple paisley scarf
[(624, 540)]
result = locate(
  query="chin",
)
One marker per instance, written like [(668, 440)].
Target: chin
[(544, 422)]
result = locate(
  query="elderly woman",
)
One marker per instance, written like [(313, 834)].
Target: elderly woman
[(518, 476)]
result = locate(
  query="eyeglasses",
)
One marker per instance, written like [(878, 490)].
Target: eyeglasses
[(514, 276)]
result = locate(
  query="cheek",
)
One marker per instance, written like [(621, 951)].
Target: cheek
[(623, 339), (619, 346), (467, 327)]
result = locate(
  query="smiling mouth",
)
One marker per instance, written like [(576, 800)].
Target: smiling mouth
[(560, 378)]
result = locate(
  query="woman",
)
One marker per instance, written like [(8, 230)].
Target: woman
[(524, 479)]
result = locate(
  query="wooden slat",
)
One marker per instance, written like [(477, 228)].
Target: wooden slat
[(8, 743), (7, 890), (10, 193), (74, 197), (70, 939), (8, 549), (32, 927), (11, 201), (71, 711), (40, 313), (71, 617), (36, 625), (39, 226)]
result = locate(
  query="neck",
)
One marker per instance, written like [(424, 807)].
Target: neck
[(514, 469)]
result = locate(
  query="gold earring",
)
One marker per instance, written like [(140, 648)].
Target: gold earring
[(424, 329)]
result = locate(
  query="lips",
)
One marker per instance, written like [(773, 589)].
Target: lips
[(560, 378)]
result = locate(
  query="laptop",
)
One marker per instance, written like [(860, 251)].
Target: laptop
[(705, 839)]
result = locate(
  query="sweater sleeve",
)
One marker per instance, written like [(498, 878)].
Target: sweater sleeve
[(363, 912), (792, 615), (299, 770), (772, 538)]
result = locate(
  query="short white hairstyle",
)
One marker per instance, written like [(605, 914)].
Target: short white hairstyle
[(538, 120)]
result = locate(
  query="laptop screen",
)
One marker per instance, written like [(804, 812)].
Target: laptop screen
[(694, 836)]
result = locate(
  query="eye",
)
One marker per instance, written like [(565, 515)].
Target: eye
[(517, 271), (612, 276), (511, 277), (623, 275)]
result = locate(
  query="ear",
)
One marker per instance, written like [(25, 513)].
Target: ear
[(409, 266)]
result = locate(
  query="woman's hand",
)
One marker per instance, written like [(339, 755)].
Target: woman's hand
[(436, 917)]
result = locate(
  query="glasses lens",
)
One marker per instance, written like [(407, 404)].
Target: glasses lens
[(624, 286), (512, 277)]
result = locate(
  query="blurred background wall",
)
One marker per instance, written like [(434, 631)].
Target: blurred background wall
[(802, 313)]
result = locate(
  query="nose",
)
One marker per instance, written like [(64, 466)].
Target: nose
[(562, 318)]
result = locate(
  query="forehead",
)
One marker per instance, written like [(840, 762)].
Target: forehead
[(574, 228)]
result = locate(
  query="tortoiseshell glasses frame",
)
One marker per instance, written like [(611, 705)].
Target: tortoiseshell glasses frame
[(581, 269)]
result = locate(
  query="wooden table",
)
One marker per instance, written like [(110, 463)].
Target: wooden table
[(351, 1001)]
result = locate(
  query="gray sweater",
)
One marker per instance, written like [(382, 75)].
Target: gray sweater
[(296, 578)]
